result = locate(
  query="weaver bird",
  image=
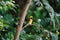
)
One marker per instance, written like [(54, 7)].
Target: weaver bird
[(29, 22)]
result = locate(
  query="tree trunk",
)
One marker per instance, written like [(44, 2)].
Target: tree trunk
[(20, 24)]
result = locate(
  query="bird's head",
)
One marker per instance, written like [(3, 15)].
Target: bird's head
[(31, 17)]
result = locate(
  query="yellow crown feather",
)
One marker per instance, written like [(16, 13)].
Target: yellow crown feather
[(31, 16)]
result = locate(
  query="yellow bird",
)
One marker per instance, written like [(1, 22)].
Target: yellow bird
[(30, 20)]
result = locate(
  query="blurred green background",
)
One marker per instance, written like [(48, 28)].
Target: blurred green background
[(46, 19)]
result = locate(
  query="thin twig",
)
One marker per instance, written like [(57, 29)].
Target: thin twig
[(26, 26)]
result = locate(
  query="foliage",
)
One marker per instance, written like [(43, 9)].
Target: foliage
[(45, 19)]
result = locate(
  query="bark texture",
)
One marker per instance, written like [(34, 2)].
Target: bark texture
[(20, 24)]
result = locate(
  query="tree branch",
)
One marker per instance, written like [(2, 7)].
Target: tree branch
[(26, 26), (20, 24)]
